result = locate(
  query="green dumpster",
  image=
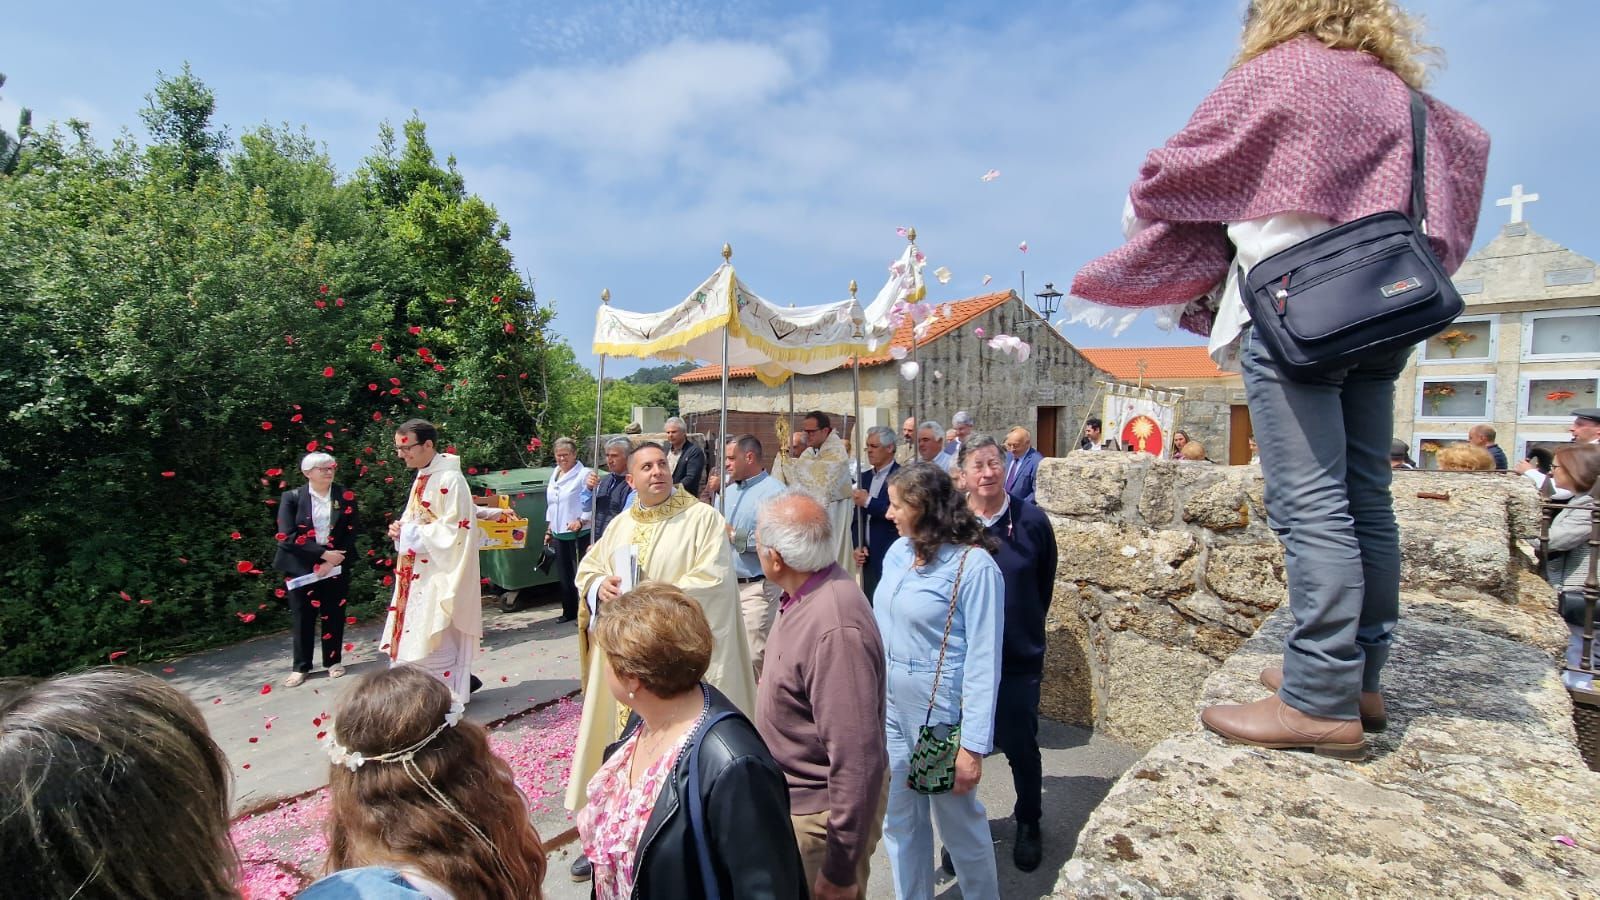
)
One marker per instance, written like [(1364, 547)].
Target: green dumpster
[(513, 570)]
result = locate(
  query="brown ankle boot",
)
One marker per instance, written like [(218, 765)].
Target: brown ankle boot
[(1276, 725), (1373, 716)]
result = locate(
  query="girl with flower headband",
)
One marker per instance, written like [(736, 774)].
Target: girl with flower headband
[(420, 804)]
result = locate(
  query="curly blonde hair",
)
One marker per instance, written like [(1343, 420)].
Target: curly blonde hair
[(1378, 27)]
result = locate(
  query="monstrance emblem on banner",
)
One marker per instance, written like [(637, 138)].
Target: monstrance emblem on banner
[(1143, 434)]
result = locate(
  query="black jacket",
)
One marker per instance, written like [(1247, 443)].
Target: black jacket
[(297, 551), (691, 468), (1027, 559), (746, 804)]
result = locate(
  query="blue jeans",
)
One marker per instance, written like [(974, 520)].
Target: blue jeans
[(1325, 459), (909, 819)]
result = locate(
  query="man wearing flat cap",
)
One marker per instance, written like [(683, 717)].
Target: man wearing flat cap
[(1585, 426), (1400, 455)]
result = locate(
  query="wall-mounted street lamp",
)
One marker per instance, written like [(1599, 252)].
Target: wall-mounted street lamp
[(1049, 301)]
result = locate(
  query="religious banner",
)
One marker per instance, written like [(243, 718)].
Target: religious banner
[(1139, 418)]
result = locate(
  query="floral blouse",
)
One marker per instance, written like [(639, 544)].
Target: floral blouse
[(614, 819)]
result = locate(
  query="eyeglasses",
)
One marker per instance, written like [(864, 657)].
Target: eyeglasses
[(327, 468), (811, 430), (406, 449)]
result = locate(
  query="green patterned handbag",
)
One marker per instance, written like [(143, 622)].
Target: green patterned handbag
[(933, 759)]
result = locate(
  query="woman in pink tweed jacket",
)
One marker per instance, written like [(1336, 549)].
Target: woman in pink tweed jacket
[(1310, 128)]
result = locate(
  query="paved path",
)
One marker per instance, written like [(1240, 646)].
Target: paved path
[(1079, 769), (529, 666), (527, 660)]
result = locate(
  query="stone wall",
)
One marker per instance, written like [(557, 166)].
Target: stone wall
[(1206, 411), (1168, 567), (1169, 600), (960, 371)]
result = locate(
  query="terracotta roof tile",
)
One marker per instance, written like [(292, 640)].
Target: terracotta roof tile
[(1122, 363), (962, 312)]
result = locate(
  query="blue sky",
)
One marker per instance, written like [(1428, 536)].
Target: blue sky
[(624, 141)]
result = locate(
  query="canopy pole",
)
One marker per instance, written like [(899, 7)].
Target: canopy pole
[(722, 426), (916, 381), (859, 440), (600, 392)]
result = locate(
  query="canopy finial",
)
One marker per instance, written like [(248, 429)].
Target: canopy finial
[(727, 253), (605, 296), (911, 234), (853, 289)]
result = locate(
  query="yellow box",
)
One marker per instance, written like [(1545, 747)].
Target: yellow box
[(509, 535)]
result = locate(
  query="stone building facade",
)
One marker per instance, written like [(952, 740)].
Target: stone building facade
[(1049, 394), (1525, 353)]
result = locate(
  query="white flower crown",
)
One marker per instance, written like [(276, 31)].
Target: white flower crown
[(353, 760)]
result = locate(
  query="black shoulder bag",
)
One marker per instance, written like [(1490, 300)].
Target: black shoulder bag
[(1366, 287)]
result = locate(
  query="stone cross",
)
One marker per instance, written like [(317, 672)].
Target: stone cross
[(1516, 201)]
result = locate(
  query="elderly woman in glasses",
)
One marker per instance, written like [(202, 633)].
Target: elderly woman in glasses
[(316, 533)]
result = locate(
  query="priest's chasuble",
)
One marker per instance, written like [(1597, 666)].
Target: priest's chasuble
[(436, 585), (683, 542), (825, 473)]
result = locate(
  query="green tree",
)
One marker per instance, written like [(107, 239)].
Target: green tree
[(185, 321), (178, 117), (11, 147)]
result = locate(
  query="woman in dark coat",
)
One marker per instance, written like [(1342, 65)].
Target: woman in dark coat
[(316, 534), (688, 803)]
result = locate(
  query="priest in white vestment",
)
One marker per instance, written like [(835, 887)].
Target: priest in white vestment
[(666, 535), (436, 616), (826, 472)]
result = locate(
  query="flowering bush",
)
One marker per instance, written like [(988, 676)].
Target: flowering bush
[(183, 323)]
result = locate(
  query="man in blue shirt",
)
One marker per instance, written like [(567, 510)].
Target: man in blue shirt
[(748, 485)]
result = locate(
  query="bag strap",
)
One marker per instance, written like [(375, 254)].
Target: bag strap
[(697, 816), (938, 670), (1419, 152)]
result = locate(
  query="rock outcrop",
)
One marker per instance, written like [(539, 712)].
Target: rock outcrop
[(1168, 567), (1168, 599), (1476, 789)]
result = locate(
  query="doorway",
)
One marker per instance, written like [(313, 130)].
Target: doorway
[(1044, 431), (1239, 432)]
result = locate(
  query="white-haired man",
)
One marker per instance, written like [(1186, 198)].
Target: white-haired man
[(961, 424), (930, 446), (825, 469), (316, 534), (686, 458), (820, 704)]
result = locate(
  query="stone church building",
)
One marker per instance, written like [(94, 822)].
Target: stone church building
[(1049, 393), (1522, 356)]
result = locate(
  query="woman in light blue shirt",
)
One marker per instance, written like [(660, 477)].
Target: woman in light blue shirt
[(912, 603)]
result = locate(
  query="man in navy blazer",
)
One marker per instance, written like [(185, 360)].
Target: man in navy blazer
[(317, 528), (873, 498), (1022, 464)]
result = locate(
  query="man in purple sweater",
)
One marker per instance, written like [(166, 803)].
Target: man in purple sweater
[(820, 703)]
